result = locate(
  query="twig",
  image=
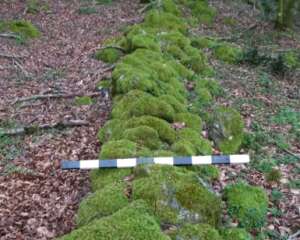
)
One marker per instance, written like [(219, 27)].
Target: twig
[(22, 68), (115, 47), (49, 96), (10, 56), (9, 35), (32, 129), (294, 236), (291, 153)]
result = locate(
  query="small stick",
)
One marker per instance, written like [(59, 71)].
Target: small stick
[(49, 96), (32, 129), (8, 35), (5, 55)]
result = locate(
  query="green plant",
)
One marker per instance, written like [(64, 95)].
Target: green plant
[(276, 195), (84, 100), (273, 176), (87, 10)]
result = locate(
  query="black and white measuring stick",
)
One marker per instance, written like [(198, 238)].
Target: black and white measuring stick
[(174, 161)]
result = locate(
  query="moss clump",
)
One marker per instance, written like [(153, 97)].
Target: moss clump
[(170, 7), (197, 232), (208, 172), (247, 204), (210, 84), (137, 103), (108, 55), (148, 71), (144, 136), (23, 28), (201, 145), (203, 96), (112, 130), (102, 203), (176, 196), (135, 220), (273, 176), (235, 234), (183, 148), (203, 42), (203, 12), (291, 60), (118, 149), (85, 100), (177, 106), (163, 128), (227, 53), (227, 129), (190, 120), (103, 177), (164, 21)]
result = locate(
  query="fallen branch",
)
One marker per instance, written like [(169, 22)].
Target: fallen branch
[(33, 128), (115, 47), (9, 35), (51, 96), (5, 55), (291, 153), (294, 236)]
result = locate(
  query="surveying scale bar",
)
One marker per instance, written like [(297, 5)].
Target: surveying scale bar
[(174, 161)]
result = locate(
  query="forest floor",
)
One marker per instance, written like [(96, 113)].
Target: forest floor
[(39, 201)]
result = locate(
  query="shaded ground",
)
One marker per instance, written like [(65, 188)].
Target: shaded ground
[(37, 200)]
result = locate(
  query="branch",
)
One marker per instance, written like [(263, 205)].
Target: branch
[(32, 129), (10, 56), (9, 35), (51, 96)]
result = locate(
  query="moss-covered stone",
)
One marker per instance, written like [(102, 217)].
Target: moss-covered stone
[(236, 234), (227, 53), (247, 204), (197, 232), (176, 196), (118, 149), (190, 120), (144, 136), (103, 177), (183, 148), (108, 55), (135, 220), (137, 103), (201, 145), (101, 203), (164, 21), (207, 172), (163, 128), (227, 129)]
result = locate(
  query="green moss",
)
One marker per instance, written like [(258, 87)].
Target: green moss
[(163, 153), (148, 71), (273, 176), (112, 130), (197, 232), (22, 28), (201, 145), (133, 220), (175, 196), (247, 204), (163, 128), (85, 100), (137, 103), (227, 53), (177, 106), (102, 203), (190, 120), (236, 234), (227, 129), (103, 177), (144, 136), (170, 7), (183, 148), (203, 12), (291, 60), (108, 55), (203, 42), (203, 96), (144, 41), (207, 172), (164, 21), (212, 85), (118, 149)]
